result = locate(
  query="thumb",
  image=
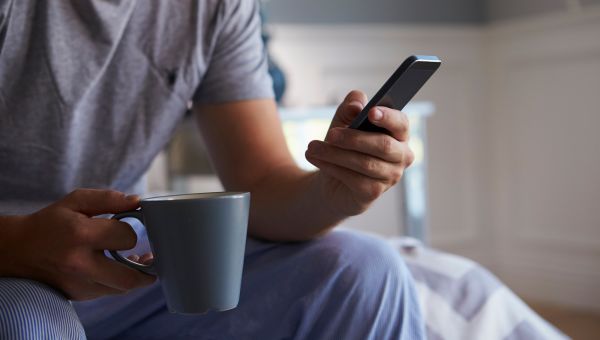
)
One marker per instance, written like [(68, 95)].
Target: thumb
[(94, 202), (349, 109)]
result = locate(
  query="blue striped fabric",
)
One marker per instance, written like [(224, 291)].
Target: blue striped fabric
[(31, 310)]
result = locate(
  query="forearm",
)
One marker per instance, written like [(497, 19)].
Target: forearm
[(289, 205), (248, 150)]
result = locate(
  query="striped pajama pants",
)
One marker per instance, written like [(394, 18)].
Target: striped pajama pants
[(31, 310), (344, 285)]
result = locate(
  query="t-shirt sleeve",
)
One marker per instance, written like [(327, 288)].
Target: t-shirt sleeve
[(238, 68)]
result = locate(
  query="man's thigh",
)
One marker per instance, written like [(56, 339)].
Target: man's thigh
[(344, 283), (31, 310)]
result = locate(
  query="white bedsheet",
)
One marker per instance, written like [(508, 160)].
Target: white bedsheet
[(462, 300)]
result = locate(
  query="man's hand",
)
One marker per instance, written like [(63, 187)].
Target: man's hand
[(63, 246), (356, 166), (289, 204)]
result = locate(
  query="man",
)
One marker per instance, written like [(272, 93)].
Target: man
[(91, 91)]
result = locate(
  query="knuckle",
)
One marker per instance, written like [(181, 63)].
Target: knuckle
[(386, 145), (74, 263), (351, 140), (113, 194), (374, 191), (397, 175), (78, 233), (368, 165), (319, 148), (404, 121), (339, 137), (81, 235), (355, 138)]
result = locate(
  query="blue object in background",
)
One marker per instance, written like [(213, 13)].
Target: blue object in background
[(274, 70)]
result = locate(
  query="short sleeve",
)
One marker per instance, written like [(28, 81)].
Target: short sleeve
[(238, 67)]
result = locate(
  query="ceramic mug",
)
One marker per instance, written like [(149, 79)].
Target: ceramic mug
[(198, 242)]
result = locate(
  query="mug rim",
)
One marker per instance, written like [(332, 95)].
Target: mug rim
[(197, 196)]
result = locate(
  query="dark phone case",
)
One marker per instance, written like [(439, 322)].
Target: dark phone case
[(431, 63)]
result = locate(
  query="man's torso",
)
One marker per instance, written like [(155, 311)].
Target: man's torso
[(90, 91)]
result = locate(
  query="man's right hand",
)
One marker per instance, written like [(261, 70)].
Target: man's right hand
[(63, 246)]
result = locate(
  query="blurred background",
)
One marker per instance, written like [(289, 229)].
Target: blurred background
[(506, 132)]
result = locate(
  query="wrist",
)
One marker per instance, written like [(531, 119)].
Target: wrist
[(10, 227), (323, 200)]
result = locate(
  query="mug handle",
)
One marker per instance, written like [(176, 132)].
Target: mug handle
[(148, 269)]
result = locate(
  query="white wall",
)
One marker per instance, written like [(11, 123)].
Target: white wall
[(545, 190), (514, 152), (499, 10), (323, 63)]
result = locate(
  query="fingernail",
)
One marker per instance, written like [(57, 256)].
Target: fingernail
[(356, 103), (132, 197), (378, 114)]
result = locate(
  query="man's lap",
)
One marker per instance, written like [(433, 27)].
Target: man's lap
[(305, 288)]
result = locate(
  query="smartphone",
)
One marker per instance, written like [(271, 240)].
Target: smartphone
[(399, 89)]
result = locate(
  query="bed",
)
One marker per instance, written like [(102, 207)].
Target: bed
[(460, 299)]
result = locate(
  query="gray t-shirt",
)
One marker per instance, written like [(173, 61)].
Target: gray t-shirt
[(91, 90)]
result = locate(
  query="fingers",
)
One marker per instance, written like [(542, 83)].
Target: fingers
[(349, 108), (358, 162), (115, 275), (378, 145), (366, 189), (94, 202), (394, 121), (146, 259), (108, 234), (355, 101), (356, 95), (88, 274), (134, 258)]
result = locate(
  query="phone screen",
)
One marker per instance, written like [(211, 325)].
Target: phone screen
[(399, 89)]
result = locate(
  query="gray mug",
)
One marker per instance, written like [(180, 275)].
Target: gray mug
[(198, 242)]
